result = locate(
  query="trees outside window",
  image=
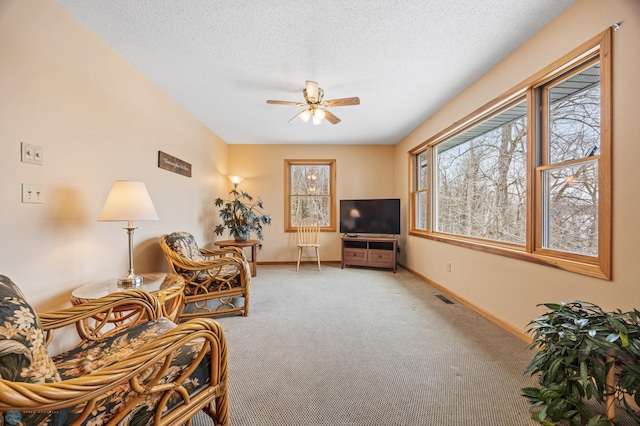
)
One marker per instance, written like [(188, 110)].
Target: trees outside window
[(570, 166), (529, 175), (310, 193), (421, 190), (481, 179)]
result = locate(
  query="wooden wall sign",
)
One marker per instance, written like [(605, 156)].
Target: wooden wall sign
[(173, 164)]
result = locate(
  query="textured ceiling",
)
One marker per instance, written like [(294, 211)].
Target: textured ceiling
[(405, 59)]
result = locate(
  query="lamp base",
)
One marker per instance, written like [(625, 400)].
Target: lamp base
[(130, 281)]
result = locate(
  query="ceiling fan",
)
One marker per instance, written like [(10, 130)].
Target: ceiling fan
[(316, 108)]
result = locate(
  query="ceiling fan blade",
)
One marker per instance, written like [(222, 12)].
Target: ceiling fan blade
[(285, 103), (312, 91), (342, 102), (330, 117)]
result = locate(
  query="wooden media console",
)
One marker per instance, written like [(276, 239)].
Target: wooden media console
[(375, 252)]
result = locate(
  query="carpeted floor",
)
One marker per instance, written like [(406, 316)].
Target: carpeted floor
[(367, 347)]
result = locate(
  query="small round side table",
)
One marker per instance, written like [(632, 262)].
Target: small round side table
[(167, 288)]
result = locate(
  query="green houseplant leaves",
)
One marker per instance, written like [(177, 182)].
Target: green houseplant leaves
[(242, 215), (578, 343)]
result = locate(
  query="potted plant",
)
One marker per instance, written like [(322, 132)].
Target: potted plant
[(585, 355), (242, 215)]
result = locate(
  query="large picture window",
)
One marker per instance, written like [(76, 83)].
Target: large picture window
[(310, 193), (528, 175), (481, 181)]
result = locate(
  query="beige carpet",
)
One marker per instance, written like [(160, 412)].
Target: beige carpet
[(367, 347)]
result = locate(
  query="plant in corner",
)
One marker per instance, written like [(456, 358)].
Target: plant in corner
[(242, 215), (584, 356)]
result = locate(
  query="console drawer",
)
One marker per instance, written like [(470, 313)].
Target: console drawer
[(381, 258), (355, 255)]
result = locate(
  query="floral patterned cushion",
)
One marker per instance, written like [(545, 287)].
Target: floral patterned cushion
[(213, 286), (24, 358), (23, 351), (96, 355), (185, 245)]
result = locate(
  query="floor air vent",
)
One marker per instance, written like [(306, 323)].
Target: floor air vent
[(444, 299)]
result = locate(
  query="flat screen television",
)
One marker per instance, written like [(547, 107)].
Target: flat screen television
[(372, 216)]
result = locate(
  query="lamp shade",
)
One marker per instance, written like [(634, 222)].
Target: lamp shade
[(128, 201)]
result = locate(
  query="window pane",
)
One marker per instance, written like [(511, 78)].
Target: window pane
[(421, 211), (571, 208), (482, 179), (574, 116), (421, 171), (310, 180), (315, 207)]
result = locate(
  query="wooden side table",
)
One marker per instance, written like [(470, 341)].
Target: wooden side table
[(167, 288), (253, 244)]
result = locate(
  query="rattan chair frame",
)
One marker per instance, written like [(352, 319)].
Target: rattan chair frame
[(215, 266), (87, 389)]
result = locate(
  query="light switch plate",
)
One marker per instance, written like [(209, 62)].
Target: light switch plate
[(31, 154), (32, 193)]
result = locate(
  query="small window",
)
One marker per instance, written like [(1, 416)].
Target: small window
[(310, 193), (421, 191)]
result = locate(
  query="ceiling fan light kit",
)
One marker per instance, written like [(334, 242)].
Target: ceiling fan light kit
[(313, 96), (318, 116), (305, 115)]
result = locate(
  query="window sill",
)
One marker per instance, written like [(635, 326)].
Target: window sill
[(592, 269)]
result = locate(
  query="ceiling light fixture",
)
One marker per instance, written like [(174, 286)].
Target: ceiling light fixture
[(313, 96), (318, 116), (305, 115)]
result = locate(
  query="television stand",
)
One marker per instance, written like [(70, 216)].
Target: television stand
[(373, 252)]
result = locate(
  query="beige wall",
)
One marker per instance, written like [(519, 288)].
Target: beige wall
[(510, 289), (98, 120), (361, 172)]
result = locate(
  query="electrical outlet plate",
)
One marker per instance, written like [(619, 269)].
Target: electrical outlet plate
[(31, 154), (32, 193)]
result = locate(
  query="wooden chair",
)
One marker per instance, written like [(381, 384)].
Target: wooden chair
[(132, 367), (216, 280), (308, 237)]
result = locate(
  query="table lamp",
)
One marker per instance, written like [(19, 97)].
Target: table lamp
[(128, 201)]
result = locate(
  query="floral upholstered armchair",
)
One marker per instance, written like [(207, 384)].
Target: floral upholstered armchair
[(216, 280), (132, 368)]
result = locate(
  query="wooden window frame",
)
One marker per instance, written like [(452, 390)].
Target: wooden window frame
[(332, 191), (598, 266)]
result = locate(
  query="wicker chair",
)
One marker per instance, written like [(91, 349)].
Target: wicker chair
[(133, 367), (216, 280)]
